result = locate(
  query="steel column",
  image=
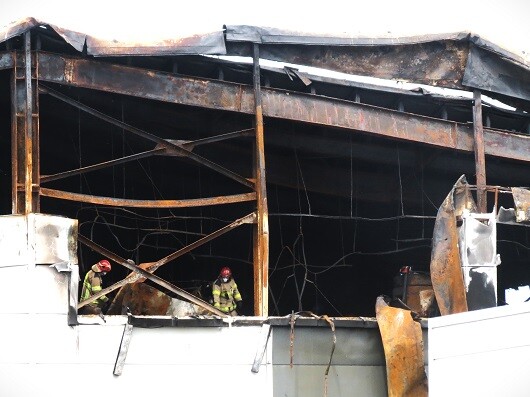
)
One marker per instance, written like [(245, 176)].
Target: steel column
[(25, 132), (480, 158), (261, 228)]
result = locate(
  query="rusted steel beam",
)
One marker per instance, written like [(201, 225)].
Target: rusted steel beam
[(155, 279), (7, 60), (162, 142), (480, 158), (277, 103), (219, 138), (250, 218), (122, 160), (190, 145), (116, 202), (261, 232)]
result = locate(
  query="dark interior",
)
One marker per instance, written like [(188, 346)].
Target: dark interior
[(346, 209)]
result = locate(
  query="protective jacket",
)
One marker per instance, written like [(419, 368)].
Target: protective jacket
[(226, 295), (92, 285)]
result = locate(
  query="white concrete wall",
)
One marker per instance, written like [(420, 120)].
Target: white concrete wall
[(481, 353), (41, 355)]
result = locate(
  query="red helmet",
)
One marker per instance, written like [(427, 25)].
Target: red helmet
[(104, 265), (225, 272)]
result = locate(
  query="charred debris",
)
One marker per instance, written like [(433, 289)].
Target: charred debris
[(316, 191)]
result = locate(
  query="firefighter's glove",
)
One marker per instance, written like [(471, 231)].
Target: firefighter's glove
[(239, 305)]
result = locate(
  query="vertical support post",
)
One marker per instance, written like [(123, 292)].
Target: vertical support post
[(261, 228), (25, 133), (480, 158)]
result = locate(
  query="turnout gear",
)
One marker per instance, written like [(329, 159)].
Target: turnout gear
[(225, 293), (92, 284)]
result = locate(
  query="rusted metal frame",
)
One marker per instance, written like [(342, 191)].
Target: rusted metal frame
[(250, 218), (116, 202), (143, 273), (277, 103), (95, 167), (218, 138), (480, 157), (25, 132), (162, 142), (261, 228), (138, 156)]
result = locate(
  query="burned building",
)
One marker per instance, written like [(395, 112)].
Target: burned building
[(315, 190)]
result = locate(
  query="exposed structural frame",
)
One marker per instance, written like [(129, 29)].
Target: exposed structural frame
[(31, 70), (27, 179)]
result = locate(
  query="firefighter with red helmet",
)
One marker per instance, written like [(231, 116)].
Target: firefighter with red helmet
[(226, 296), (92, 284)]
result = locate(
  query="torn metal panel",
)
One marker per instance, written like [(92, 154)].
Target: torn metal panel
[(446, 274), (208, 44), (211, 43), (447, 60), (403, 345), (521, 197), (478, 251), (487, 71)]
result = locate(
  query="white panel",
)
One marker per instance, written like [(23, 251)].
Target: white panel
[(480, 353), (91, 350), (33, 289), (222, 346), (171, 380), (49, 292), (343, 381), (100, 343), (16, 289), (55, 238), (13, 240), (18, 332)]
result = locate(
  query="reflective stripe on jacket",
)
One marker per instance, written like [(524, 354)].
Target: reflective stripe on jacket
[(92, 285), (225, 295)]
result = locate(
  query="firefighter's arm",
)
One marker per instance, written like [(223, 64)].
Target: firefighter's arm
[(216, 293)]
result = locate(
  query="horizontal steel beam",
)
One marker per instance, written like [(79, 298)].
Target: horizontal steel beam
[(116, 202), (307, 108)]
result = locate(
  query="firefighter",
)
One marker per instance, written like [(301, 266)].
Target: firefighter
[(93, 284), (226, 296)]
